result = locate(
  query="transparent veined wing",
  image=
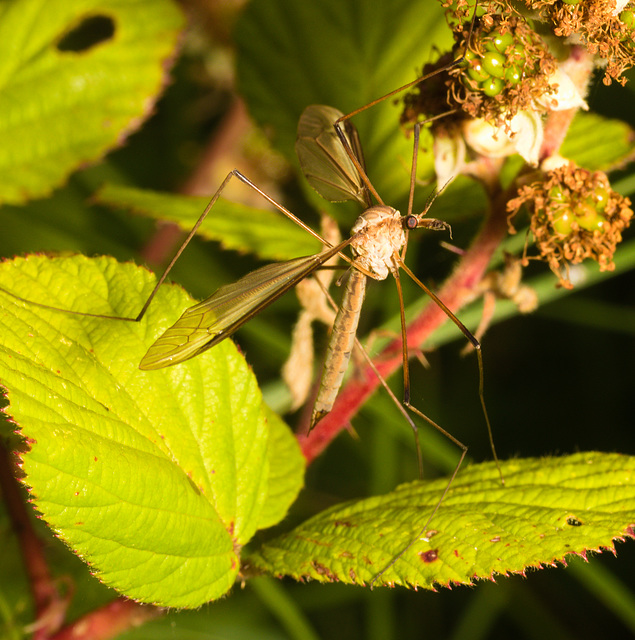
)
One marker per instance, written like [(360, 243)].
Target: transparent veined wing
[(207, 323), (323, 159)]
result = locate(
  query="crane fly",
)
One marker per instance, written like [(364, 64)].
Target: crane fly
[(333, 163), (337, 172), (331, 158)]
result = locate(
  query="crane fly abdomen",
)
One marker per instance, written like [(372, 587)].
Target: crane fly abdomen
[(377, 237), (340, 345)]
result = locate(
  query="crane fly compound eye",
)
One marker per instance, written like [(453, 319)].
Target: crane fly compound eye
[(411, 222)]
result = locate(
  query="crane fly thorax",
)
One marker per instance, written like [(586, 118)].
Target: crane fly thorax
[(378, 237)]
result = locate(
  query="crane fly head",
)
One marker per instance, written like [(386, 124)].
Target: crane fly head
[(419, 221)]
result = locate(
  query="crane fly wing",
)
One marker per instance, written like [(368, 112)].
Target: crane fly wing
[(323, 159), (207, 323)]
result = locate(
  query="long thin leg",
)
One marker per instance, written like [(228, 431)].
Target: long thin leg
[(424, 528), (412, 83), (406, 400), (403, 409), (234, 173), (438, 427), (340, 122), (477, 347)]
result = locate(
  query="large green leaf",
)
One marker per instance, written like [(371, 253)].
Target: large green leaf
[(342, 54), (66, 100), (547, 509), (156, 479)]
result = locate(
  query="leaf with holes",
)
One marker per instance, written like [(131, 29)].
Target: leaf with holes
[(157, 479), (547, 509), (76, 78)]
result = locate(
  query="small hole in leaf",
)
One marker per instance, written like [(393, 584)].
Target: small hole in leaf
[(90, 32)]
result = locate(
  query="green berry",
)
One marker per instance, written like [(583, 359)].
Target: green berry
[(556, 194), (476, 72), (492, 87), (517, 53), (627, 18), (499, 42), (562, 222), (600, 198), (468, 56), (494, 64), (513, 75), (588, 217)]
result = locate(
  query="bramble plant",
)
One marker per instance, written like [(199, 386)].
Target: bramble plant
[(517, 90), (168, 487)]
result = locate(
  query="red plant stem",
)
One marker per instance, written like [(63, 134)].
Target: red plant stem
[(456, 292), (169, 236), (109, 621), (50, 607), (580, 66)]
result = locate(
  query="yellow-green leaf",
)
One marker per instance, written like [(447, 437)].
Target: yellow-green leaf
[(76, 78), (548, 508), (155, 479)]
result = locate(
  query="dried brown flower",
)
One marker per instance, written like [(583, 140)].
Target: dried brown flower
[(574, 215)]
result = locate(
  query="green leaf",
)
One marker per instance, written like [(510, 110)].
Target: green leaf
[(155, 479), (285, 476), (547, 509), (76, 78), (267, 234), (599, 143), (284, 43)]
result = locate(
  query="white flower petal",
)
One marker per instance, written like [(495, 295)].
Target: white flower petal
[(488, 140), (523, 134), (566, 95), (619, 6), (449, 157), (553, 162), (528, 135)]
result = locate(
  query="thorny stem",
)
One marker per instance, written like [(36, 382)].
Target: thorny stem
[(456, 292)]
